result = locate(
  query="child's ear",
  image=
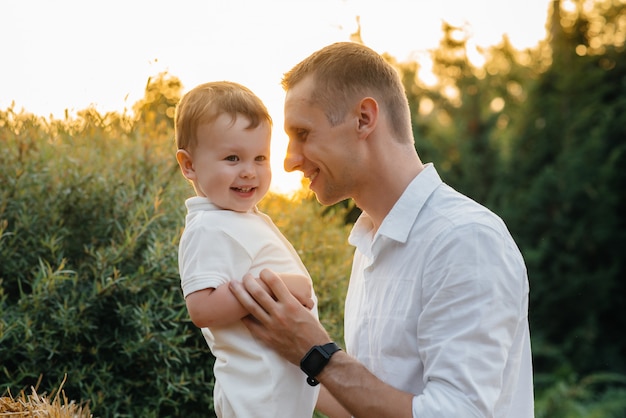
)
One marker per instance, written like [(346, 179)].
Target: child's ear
[(185, 162)]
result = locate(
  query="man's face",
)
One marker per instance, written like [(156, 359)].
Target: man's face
[(323, 153)]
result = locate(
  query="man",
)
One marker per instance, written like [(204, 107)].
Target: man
[(436, 315)]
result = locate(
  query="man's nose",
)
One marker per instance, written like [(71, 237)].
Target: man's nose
[(293, 158)]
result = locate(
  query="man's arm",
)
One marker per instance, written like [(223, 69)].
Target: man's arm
[(362, 393), (329, 406), (282, 323), (217, 307)]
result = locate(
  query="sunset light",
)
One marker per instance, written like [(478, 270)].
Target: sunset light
[(72, 54)]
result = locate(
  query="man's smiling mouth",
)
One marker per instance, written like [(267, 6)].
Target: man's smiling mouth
[(312, 175)]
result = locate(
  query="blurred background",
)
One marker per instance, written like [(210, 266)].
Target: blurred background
[(74, 54), (520, 105)]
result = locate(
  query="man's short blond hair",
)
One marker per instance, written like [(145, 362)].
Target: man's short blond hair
[(345, 71)]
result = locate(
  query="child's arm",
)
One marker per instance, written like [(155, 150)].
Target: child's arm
[(218, 307), (214, 307), (299, 286)]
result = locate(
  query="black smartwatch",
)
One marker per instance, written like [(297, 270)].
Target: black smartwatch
[(316, 359)]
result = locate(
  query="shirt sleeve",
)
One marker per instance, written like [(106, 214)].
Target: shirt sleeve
[(472, 299), (209, 258)]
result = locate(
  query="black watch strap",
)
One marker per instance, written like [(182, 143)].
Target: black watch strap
[(330, 348), (325, 351)]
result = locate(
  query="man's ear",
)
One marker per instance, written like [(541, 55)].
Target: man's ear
[(185, 162), (368, 116)]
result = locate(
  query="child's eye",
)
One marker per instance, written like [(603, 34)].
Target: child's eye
[(232, 158), (261, 158)]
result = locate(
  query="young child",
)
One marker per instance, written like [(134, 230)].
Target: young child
[(223, 136)]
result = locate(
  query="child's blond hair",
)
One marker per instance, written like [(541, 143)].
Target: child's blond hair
[(206, 102)]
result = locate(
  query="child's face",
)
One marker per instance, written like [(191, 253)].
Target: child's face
[(231, 164)]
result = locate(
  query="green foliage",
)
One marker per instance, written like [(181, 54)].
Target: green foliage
[(465, 129), (563, 196), (90, 221), (154, 114), (584, 398)]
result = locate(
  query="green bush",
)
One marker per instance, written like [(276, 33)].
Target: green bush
[(90, 219)]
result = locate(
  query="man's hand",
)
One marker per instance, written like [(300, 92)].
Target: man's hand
[(278, 318), (299, 286)]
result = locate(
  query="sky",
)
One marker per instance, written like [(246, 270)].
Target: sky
[(73, 54)]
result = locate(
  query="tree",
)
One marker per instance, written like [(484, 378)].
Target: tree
[(564, 195)]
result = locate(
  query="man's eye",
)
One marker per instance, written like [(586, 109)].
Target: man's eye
[(301, 134), (232, 158)]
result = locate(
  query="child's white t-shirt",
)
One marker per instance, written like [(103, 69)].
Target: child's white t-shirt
[(218, 246)]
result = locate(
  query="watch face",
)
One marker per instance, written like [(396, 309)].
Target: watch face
[(314, 362)]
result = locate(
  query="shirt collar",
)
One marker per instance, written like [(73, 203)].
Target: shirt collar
[(399, 221), (200, 203)]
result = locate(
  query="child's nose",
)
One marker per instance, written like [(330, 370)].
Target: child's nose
[(248, 170)]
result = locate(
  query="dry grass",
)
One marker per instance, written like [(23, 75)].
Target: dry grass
[(35, 405)]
